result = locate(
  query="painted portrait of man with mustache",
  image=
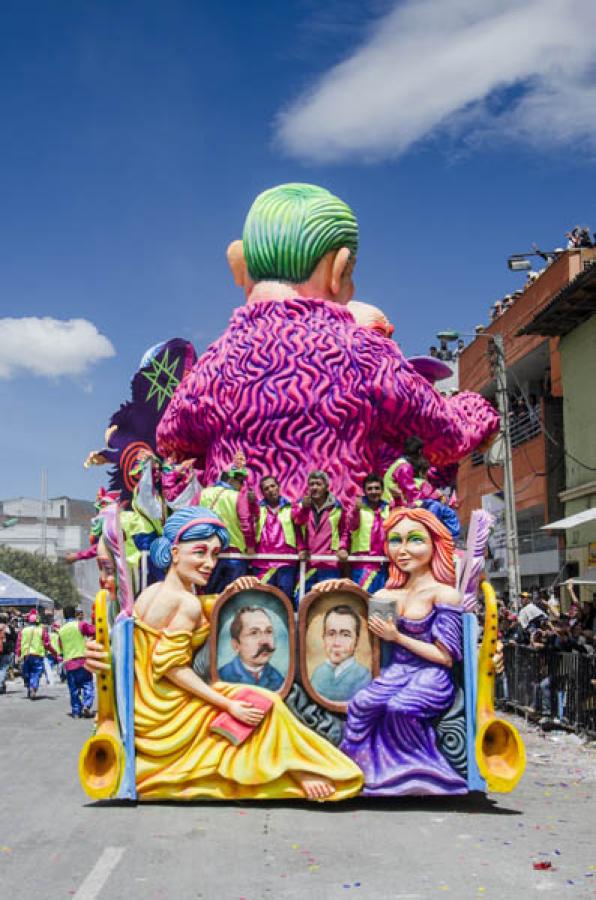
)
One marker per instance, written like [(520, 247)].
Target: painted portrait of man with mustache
[(253, 641)]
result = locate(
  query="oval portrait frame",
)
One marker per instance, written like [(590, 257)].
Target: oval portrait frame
[(305, 607), (227, 595)]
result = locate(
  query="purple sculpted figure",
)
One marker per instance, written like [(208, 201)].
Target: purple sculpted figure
[(294, 381), (390, 731)]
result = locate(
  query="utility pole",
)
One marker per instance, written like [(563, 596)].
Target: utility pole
[(513, 573), (500, 372), (44, 512)]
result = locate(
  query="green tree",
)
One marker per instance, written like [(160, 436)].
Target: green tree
[(51, 578)]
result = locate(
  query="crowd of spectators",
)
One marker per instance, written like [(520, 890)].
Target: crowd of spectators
[(579, 236), (540, 623), (444, 352), (547, 636)]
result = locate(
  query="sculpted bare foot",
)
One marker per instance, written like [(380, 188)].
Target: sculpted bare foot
[(314, 787)]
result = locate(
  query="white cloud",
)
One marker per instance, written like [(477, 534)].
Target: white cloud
[(50, 347), (509, 69)]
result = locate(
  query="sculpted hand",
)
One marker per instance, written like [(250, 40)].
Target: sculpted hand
[(97, 659), (246, 712), (484, 447), (245, 583), (333, 584), (383, 629)]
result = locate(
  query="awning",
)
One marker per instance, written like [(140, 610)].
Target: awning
[(580, 518), (589, 577), (14, 593)]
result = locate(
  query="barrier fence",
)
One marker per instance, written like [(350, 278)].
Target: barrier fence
[(558, 686)]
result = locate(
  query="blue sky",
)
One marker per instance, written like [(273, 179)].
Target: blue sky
[(135, 135)]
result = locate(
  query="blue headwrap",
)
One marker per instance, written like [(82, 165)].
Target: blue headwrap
[(444, 514), (192, 523)]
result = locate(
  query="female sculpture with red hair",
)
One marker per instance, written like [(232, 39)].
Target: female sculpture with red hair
[(389, 731)]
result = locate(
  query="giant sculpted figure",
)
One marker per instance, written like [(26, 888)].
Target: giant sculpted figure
[(294, 382)]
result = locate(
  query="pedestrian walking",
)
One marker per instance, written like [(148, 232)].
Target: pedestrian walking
[(72, 637), (7, 645), (33, 643)]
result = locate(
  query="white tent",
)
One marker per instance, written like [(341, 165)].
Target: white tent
[(14, 593)]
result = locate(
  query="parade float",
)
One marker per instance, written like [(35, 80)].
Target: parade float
[(325, 690)]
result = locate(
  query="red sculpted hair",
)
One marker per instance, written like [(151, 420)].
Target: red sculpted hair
[(441, 564)]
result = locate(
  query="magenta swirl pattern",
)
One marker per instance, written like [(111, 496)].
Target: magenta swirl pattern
[(298, 385)]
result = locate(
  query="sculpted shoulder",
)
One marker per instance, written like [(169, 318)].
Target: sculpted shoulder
[(173, 610), (448, 595)]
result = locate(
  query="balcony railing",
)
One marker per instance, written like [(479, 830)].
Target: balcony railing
[(303, 564), (524, 426)]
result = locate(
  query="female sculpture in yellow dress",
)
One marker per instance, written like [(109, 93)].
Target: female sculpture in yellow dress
[(177, 756)]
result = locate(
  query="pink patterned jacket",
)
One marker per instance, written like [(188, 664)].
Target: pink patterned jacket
[(298, 385)]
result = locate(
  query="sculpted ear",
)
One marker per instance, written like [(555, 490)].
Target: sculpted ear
[(340, 265), (237, 263)]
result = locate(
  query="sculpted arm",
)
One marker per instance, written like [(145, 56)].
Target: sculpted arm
[(450, 428), (184, 677), (387, 631)]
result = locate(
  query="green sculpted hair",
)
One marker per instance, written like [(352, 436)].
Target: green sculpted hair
[(290, 228)]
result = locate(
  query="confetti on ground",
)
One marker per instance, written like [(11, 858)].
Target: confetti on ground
[(545, 864), (5, 849)]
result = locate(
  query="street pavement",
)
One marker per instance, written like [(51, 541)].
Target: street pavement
[(55, 843)]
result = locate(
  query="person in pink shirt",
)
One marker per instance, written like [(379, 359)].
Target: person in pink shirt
[(33, 644), (322, 524), (275, 533), (71, 637), (367, 535)]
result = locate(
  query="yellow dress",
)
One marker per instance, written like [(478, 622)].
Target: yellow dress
[(178, 758)]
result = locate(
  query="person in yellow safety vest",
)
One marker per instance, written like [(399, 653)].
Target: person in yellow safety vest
[(72, 637), (367, 536), (231, 502), (321, 520), (33, 643), (275, 533)]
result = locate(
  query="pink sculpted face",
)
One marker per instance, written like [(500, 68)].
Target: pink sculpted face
[(372, 317), (107, 570), (194, 561), (410, 546)]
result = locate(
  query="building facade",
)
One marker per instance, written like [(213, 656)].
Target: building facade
[(571, 318), (536, 390), (63, 529)]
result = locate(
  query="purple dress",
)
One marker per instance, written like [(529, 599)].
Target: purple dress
[(389, 732)]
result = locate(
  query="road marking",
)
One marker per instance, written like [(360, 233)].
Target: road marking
[(100, 873)]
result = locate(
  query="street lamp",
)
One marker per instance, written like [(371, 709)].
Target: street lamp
[(513, 573), (519, 262)]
